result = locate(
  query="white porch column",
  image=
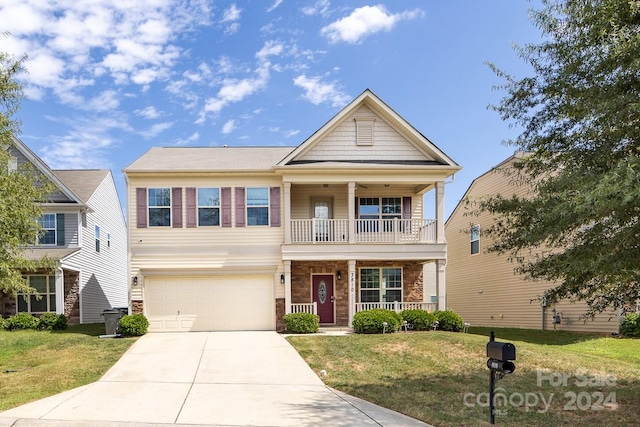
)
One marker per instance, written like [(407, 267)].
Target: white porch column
[(351, 214), (287, 213), (59, 285), (287, 287), (440, 212), (352, 290), (441, 287)]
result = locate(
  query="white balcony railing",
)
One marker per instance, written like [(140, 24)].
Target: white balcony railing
[(311, 308), (366, 231), (397, 306)]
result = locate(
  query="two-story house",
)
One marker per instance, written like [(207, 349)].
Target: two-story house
[(232, 238), (483, 287), (84, 231)]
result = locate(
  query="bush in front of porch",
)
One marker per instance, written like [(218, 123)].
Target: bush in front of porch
[(376, 321), (420, 320), (301, 323)]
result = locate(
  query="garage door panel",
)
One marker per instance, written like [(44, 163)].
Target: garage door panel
[(210, 303)]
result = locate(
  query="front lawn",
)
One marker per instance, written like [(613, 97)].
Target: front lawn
[(37, 364), (441, 377)]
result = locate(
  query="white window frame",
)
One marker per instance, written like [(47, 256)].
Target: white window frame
[(266, 206), (97, 235), (46, 296), (48, 229), (212, 206), (474, 237), (382, 287), (158, 207)]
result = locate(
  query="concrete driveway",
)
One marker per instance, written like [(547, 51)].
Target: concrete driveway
[(206, 378)]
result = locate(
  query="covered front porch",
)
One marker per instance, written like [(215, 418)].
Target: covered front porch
[(336, 290)]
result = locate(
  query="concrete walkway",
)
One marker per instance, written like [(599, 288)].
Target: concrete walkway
[(206, 378)]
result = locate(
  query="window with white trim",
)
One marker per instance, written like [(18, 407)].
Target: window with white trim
[(381, 284), (12, 165), (257, 206), (208, 206), (46, 287), (48, 225), (475, 239), (375, 209), (159, 207), (97, 238)]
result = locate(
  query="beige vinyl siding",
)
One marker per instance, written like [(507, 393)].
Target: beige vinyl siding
[(340, 143), (483, 288), (203, 248)]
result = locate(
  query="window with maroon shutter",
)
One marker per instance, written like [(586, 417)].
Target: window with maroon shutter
[(240, 204), (274, 200), (191, 207), (225, 195), (141, 207), (208, 206), (176, 195)]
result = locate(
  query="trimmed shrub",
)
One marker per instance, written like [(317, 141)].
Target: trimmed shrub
[(372, 321), (449, 320), (630, 325), (301, 323), (419, 320), (52, 322), (21, 321), (133, 325)]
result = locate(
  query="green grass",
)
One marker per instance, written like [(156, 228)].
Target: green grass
[(428, 375), (36, 364)]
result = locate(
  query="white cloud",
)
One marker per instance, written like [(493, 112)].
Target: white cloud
[(229, 126), (70, 42), (270, 48), (193, 138), (317, 92), (104, 101), (274, 5), (321, 7), (363, 22), (291, 133), (155, 130), (230, 18), (148, 112)]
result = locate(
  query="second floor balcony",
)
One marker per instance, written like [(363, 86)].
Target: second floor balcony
[(396, 230)]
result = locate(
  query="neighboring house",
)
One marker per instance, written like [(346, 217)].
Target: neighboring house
[(85, 232), (226, 238), (483, 288)]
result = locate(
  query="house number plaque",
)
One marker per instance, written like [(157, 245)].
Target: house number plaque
[(322, 292)]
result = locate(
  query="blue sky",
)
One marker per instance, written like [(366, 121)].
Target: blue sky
[(108, 79)]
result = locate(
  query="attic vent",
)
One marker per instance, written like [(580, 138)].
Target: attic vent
[(364, 131)]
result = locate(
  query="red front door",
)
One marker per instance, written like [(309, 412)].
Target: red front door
[(323, 295)]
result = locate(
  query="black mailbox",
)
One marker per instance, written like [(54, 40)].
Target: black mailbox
[(501, 350)]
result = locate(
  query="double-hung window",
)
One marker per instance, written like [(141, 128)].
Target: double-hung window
[(159, 207), (208, 206), (373, 210), (380, 284), (46, 287), (257, 206), (475, 239), (48, 225)]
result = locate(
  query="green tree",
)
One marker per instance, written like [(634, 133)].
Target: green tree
[(580, 118), (19, 190)]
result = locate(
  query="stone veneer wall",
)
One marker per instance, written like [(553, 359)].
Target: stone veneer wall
[(301, 288), (72, 296), (280, 314), (137, 307)]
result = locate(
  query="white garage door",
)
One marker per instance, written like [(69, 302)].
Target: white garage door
[(210, 303)]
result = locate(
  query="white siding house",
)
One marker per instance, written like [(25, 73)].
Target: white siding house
[(91, 274)]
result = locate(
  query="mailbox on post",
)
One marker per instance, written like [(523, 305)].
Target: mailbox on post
[(500, 355), (500, 363)]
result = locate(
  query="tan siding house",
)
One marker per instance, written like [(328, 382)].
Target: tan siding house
[(484, 289), (233, 238)]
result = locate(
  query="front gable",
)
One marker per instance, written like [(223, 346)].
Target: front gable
[(368, 131), (23, 155)]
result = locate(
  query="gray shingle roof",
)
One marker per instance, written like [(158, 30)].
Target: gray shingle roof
[(83, 182), (200, 159)]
